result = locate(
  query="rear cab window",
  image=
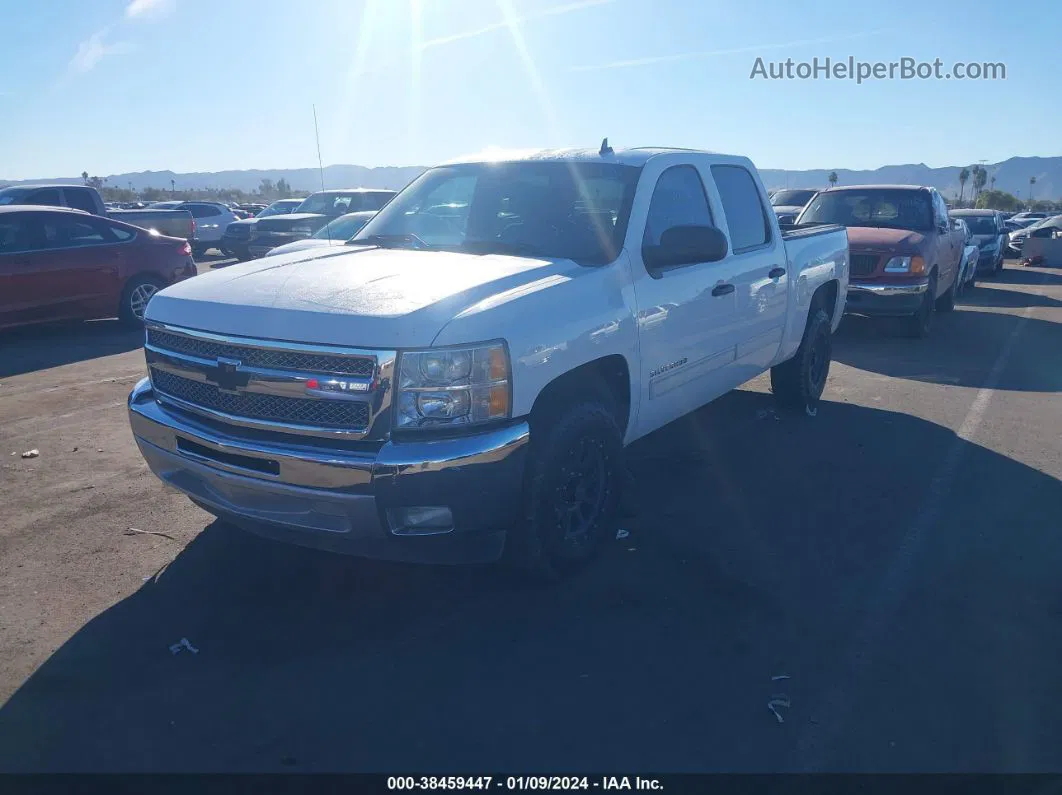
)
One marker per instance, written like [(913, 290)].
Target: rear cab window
[(48, 197), (79, 199)]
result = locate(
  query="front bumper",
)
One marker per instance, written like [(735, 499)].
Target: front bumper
[(339, 497), (876, 298)]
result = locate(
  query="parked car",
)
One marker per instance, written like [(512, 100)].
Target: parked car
[(1016, 240), (211, 221), (454, 385), (989, 235), (253, 209), (1013, 226), (1035, 216), (62, 264), (88, 199), (905, 255), (234, 240), (970, 256), (787, 204), (314, 212), (335, 233)]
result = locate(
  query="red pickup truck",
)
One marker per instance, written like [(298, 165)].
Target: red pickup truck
[(904, 252), (61, 264)]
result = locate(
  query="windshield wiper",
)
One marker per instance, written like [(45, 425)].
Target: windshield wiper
[(390, 241), (500, 247)]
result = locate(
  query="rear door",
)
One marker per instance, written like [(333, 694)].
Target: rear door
[(761, 279), (78, 266), (21, 284)]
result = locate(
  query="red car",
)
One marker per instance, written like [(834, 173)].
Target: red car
[(61, 264)]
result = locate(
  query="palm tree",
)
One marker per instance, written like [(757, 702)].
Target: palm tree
[(1032, 181), (173, 186), (832, 178), (84, 177), (963, 176), (992, 182), (980, 178)]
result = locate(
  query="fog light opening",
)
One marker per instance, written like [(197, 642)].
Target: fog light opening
[(422, 520)]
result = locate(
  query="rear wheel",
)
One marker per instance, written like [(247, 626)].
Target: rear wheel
[(135, 299), (799, 382), (571, 491)]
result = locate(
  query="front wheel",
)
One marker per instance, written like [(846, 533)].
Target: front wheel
[(946, 302), (799, 382), (571, 490), (918, 324), (135, 299)]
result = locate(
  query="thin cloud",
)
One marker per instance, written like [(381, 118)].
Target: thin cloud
[(94, 49), (139, 9), (687, 56), (555, 11)]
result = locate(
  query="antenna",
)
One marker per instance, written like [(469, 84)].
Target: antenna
[(605, 148), (320, 163)]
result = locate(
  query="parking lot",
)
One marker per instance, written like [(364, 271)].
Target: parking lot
[(890, 566)]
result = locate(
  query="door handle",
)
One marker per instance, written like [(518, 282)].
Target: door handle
[(776, 273), (722, 289)]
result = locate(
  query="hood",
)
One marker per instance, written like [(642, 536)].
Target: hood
[(244, 222), (302, 245), (366, 297), (278, 223), (874, 238)]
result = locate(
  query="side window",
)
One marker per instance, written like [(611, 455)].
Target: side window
[(374, 201), (79, 199), (45, 196), (678, 200), (71, 232), (742, 207), (121, 233), (14, 234)]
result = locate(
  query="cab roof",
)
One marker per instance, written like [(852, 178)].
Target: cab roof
[(636, 156), (878, 187)]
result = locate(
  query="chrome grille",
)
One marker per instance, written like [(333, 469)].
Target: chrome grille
[(267, 358), (863, 264), (340, 414)]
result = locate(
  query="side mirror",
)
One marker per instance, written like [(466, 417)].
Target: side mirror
[(686, 245)]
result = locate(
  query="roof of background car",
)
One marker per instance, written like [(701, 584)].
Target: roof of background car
[(38, 185), (637, 156), (972, 212), (24, 208), (355, 190), (876, 187)]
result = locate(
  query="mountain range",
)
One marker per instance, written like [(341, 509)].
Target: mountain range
[(1010, 175)]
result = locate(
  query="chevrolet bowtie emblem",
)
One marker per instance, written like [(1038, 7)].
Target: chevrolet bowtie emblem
[(227, 375)]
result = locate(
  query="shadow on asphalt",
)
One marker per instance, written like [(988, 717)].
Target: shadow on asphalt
[(961, 348), (985, 295), (32, 348), (763, 542), (1020, 275)]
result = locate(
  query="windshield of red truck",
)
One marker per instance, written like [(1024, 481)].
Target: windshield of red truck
[(892, 209), (576, 211)]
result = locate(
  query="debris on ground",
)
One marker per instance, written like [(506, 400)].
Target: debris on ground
[(811, 411), (132, 531), (74, 450), (778, 701), (621, 533), (780, 677), (31, 453), (182, 644), (99, 449)]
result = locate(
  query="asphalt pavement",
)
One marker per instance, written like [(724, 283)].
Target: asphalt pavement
[(889, 568)]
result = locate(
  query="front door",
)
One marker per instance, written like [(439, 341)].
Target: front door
[(687, 315)]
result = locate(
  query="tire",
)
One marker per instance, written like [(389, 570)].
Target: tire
[(919, 324), (999, 267), (572, 485), (135, 296), (799, 382), (946, 302)]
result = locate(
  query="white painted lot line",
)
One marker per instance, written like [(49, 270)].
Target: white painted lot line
[(817, 739)]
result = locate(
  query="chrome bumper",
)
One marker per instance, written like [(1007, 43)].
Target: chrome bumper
[(334, 496), (888, 290)]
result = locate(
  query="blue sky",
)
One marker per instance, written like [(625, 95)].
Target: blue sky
[(204, 85)]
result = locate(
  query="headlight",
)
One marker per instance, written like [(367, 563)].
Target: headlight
[(905, 265), (450, 387)]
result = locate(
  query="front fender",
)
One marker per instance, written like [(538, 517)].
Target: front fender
[(554, 325)]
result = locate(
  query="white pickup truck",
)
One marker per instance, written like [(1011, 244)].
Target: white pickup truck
[(458, 383)]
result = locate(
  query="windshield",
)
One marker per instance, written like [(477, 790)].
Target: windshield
[(343, 227), (278, 209), (792, 198), (327, 203), (877, 207), (11, 195), (981, 224), (575, 210)]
